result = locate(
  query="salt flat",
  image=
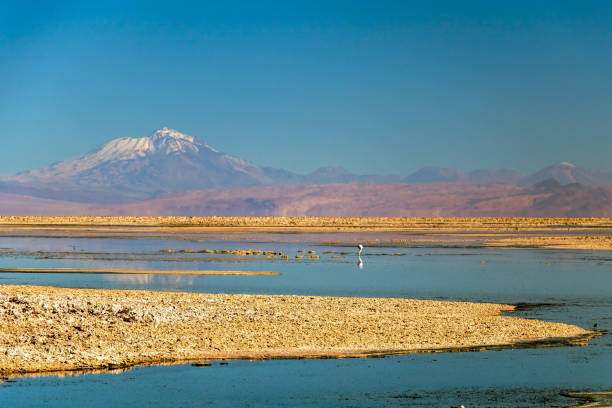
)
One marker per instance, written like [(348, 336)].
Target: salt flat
[(55, 329)]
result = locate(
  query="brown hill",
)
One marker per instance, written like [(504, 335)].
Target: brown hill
[(18, 204), (547, 199)]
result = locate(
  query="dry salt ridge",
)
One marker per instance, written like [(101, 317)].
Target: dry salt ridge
[(47, 329), (498, 232)]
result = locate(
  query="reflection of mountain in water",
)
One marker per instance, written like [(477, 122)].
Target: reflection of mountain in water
[(167, 282)]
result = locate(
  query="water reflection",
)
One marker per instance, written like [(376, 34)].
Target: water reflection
[(508, 276), (167, 282), (360, 262)]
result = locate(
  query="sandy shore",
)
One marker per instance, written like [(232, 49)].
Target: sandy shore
[(56, 329)]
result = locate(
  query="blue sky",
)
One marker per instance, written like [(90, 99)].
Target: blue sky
[(376, 87)]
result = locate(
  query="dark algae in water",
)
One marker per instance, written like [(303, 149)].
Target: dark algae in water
[(591, 399)]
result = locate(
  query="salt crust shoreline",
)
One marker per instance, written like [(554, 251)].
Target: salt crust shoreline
[(47, 329), (332, 223)]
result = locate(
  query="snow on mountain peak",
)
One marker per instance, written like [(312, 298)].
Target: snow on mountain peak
[(169, 141), (171, 133), (162, 142)]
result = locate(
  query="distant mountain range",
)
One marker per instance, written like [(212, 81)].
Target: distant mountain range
[(564, 173), (443, 175), (170, 172)]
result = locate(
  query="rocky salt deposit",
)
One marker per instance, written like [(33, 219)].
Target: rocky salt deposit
[(54, 329)]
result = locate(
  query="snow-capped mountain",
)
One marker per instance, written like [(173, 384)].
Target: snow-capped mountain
[(137, 168), (163, 142)]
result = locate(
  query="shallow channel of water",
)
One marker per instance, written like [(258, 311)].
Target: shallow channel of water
[(570, 286)]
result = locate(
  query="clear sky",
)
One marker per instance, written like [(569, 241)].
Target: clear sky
[(377, 86)]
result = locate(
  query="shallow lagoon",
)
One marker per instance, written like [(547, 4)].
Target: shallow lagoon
[(575, 286)]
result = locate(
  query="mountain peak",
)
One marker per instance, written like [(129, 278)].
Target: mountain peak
[(566, 165), (171, 133), (569, 173)]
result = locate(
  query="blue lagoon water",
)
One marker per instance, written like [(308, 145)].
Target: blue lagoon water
[(566, 286)]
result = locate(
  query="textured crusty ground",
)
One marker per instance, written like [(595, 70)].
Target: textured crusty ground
[(53, 329), (503, 232), (333, 223), (556, 242)]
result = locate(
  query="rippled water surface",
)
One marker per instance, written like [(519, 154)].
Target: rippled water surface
[(569, 286)]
